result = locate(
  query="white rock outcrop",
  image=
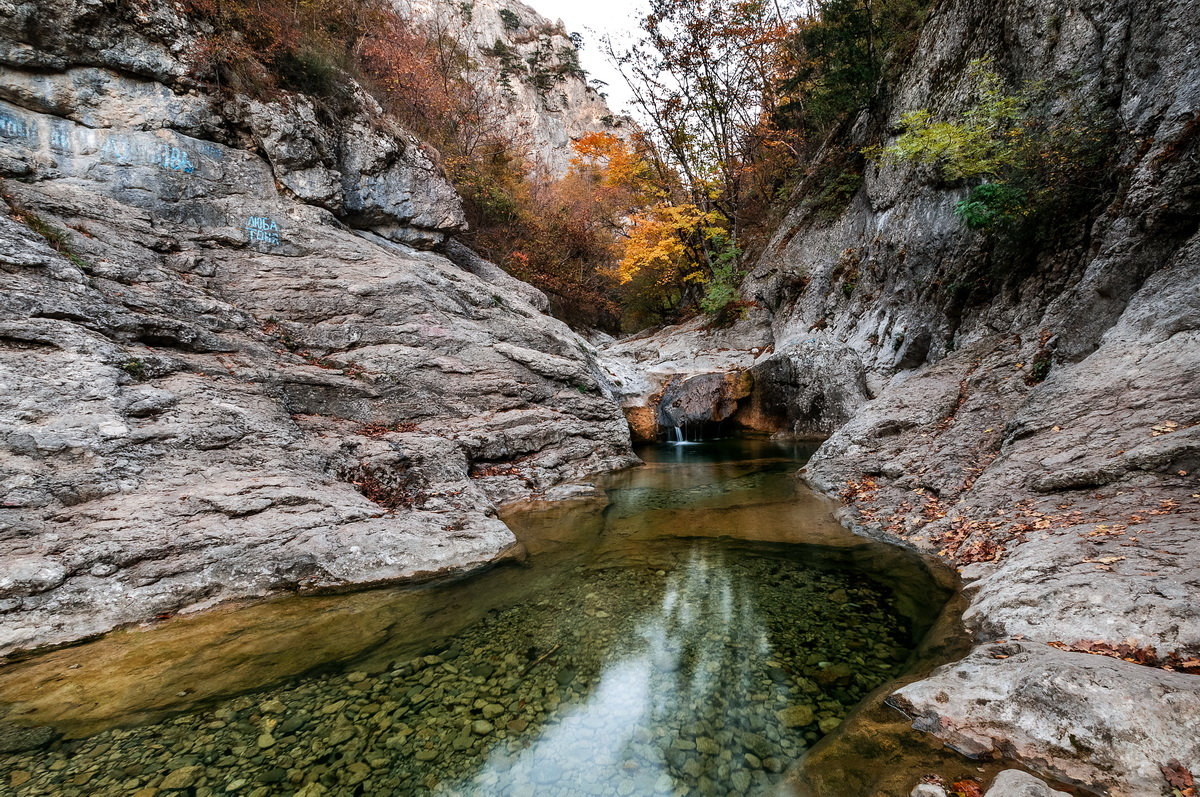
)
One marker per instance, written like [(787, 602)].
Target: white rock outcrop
[(531, 66)]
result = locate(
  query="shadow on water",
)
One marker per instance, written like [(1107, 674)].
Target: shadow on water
[(696, 626)]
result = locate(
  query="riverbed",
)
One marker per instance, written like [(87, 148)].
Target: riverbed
[(692, 626)]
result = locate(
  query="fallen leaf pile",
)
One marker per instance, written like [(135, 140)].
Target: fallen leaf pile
[(966, 788), (1179, 779), (487, 471), (1147, 657), (379, 429), (968, 541), (863, 489)]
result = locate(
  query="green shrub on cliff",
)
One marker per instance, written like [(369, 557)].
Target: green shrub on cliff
[(1026, 170), (986, 140), (993, 206)]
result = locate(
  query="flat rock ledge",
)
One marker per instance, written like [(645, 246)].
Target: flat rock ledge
[(1111, 723)]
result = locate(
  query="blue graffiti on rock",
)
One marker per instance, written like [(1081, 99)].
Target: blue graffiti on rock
[(263, 230), (13, 127), (60, 138), (176, 159)]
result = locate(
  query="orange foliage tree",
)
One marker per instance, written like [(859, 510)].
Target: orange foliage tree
[(666, 249), (652, 223)]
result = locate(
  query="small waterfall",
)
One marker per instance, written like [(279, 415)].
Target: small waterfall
[(679, 435)]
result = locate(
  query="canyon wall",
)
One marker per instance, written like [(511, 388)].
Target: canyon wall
[(229, 363), (1043, 436), (531, 65)]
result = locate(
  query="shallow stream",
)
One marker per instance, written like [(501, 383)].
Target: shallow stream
[(694, 627)]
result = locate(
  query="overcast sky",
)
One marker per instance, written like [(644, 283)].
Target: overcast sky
[(594, 19)]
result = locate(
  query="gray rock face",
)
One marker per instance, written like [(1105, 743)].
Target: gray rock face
[(530, 66), (221, 375), (708, 398), (1044, 437), (1114, 726), (76, 108)]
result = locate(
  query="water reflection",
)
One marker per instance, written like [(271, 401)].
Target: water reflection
[(643, 650), (641, 690), (705, 692)]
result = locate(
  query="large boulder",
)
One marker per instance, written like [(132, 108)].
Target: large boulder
[(225, 374)]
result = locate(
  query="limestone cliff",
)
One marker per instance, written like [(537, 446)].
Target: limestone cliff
[(1044, 437), (532, 66), (225, 370)]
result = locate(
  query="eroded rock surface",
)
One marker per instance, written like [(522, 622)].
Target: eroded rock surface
[(530, 66), (1112, 723), (225, 369), (1042, 434), (643, 368), (1015, 783)]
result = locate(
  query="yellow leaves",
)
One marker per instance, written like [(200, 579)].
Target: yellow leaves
[(1164, 428), (658, 243)]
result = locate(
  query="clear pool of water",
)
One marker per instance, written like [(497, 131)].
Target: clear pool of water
[(692, 629)]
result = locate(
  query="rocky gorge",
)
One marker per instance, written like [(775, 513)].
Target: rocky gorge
[(242, 353), (1043, 439)]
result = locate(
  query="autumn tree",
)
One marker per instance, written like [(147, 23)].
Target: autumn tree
[(838, 54), (703, 77), (661, 241)]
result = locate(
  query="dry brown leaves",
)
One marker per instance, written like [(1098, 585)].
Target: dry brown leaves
[(966, 788), (379, 429), (1165, 427), (352, 370), (860, 490), (970, 541), (1166, 507), (1108, 530), (1180, 779), (932, 509), (1145, 656), (485, 471), (1104, 562), (389, 496)]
